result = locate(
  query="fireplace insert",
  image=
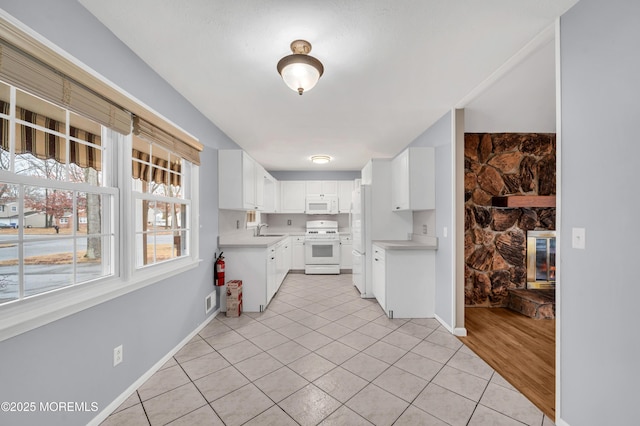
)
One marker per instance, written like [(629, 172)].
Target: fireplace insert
[(541, 259)]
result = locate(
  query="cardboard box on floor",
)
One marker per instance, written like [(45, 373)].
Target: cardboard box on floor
[(234, 298)]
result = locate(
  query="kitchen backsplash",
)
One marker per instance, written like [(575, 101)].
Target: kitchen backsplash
[(280, 222), (232, 221), (424, 218), (235, 222)]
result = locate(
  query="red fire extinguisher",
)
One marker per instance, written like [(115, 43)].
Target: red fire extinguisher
[(219, 270)]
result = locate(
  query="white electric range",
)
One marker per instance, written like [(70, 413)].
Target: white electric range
[(322, 247)]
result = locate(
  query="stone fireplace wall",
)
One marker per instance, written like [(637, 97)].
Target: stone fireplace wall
[(500, 164)]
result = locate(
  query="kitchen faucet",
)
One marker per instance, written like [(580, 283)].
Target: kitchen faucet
[(259, 228)]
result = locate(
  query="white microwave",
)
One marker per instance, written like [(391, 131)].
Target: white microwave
[(321, 204)]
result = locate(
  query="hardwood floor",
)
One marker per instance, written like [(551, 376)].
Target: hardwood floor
[(520, 349)]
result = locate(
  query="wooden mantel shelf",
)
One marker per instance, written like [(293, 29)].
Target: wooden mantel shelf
[(524, 201)]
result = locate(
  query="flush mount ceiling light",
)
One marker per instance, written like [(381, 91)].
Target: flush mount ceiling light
[(320, 159), (300, 71)]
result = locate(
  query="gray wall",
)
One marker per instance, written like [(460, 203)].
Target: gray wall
[(521, 101), (439, 136), (71, 359), (599, 146)]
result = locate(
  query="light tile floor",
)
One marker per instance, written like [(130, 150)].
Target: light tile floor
[(322, 355)]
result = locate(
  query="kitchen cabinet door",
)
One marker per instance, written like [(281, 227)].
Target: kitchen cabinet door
[(287, 256), (238, 187), (345, 188), (292, 194), (271, 193), (298, 253), (400, 181), (321, 187), (346, 256), (272, 273), (413, 179), (260, 179), (378, 268), (249, 182)]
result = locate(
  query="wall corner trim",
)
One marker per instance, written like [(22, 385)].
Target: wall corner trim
[(460, 332)]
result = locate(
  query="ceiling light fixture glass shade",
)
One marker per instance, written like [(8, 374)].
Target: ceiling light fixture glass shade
[(320, 159), (300, 71)]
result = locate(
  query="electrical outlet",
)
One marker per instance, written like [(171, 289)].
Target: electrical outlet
[(117, 355), (578, 238), (289, 222), (424, 229)]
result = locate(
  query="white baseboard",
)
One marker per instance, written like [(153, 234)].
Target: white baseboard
[(458, 331), (443, 323), (102, 416), (560, 422)]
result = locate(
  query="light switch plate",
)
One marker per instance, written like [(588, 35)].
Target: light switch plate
[(578, 237)]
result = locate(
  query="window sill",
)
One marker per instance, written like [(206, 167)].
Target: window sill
[(28, 314)]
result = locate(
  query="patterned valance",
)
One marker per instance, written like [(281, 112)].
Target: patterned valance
[(45, 145), (160, 168)]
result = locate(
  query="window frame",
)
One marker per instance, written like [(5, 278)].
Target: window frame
[(20, 316), (189, 179)]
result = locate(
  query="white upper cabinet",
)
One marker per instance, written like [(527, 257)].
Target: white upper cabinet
[(292, 196), (240, 181), (271, 194), (413, 179), (322, 187), (243, 184), (345, 188)]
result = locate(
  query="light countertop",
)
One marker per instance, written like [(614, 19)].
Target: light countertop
[(249, 241), (406, 245)]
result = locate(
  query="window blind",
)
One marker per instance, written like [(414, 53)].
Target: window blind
[(49, 145), (27, 73), (152, 133)]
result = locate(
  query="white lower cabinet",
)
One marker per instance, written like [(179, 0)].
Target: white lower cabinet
[(378, 268), (286, 253), (261, 271), (272, 277), (346, 255), (283, 261), (297, 257), (404, 281)]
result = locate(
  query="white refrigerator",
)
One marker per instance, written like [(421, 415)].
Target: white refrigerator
[(373, 219), (360, 196)]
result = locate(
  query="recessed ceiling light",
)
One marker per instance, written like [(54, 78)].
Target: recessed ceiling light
[(320, 159)]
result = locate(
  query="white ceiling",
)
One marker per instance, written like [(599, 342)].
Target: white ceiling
[(392, 67)]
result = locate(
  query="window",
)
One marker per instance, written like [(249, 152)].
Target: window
[(76, 186), (161, 192), (52, 170)]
